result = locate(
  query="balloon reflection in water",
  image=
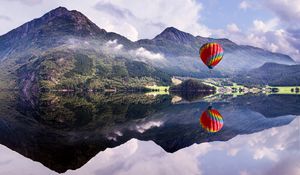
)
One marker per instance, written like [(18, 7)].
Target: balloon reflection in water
[(211, 120)]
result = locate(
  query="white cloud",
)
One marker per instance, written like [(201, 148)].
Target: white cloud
[(287, 10), (113, 136), (262, 26), (288, 13), (136, 157), (112, 47), (233, 151), (268, 35), (265, 153), (244, 5), (279, 34), (233, 28), (144, 53), (27, 2), (158, 15), (114, 44), (13, 163), (146, 126)]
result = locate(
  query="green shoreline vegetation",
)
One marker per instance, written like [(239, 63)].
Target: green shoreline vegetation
[(226, 87)]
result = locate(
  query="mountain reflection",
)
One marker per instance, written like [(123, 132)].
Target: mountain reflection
[(64, 131)]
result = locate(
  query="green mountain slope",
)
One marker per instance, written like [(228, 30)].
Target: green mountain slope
[(87, 70)]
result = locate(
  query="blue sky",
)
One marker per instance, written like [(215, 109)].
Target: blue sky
[(269, 24), (218, 14)]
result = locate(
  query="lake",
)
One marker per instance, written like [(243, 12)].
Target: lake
[(134, 133)]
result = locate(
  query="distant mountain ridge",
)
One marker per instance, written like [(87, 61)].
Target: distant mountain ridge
[(175, 43), (36, 46), (272, 74)]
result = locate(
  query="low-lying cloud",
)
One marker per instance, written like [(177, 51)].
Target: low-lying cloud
[(114, 45), (148, 125), (144, 53), (140, 54)]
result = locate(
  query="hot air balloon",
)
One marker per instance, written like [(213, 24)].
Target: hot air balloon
[(211, 120), (211, 54)]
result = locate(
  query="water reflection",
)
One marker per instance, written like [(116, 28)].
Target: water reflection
[(65, 131), (211, 120), (274, 151)]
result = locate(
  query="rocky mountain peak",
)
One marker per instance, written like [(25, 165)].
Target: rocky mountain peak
[(58, 11), (59, 21)]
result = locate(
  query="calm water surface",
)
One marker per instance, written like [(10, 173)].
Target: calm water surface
[(145, 134)]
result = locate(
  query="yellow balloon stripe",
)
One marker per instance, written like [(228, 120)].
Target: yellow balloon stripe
[(215, 115), (215, 59)]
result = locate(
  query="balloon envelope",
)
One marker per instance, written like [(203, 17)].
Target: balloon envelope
[(211, 54), (211, 120)]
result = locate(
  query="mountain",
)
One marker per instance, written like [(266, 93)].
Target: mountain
[(182, 50), (59, 50), (271, 74), (47, 31), (64, 49), (175, 35), (50, 30)]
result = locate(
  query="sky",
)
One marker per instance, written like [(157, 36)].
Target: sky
[(269, 24)]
